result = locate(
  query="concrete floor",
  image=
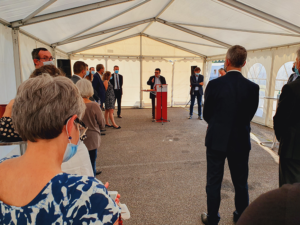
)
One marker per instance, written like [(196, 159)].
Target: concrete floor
[(160, 170)]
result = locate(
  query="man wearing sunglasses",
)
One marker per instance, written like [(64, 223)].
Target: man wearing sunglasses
[(41, 57)]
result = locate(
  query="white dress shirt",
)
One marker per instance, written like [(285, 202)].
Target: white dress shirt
[(116, 77), (197, 88)]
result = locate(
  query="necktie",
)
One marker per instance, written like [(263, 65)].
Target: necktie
[(117, 81)]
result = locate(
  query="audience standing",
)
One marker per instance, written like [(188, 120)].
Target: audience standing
[(109, 101), (41, 57), (277, 207), (79, 69), (117, 82), (98, 84), (93, 119), (293, 76), (222, 72), (287, 130), (230, 104), (154, 80), (196, 81), (52, 127)]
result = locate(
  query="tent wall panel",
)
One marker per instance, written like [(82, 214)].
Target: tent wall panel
[(126, 47), (91, 62), (250, 69), (7, 79), (7, 72), (182, 73), (130, 69), (27, 44)]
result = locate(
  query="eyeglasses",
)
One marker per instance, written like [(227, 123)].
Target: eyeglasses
[(47, 59), (80, 126)]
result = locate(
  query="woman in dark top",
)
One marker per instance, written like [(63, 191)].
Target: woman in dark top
[(109, 101)]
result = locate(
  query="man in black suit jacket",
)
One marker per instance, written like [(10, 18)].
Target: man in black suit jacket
[(196, 81), (287, 130), (230, 104), (98, 83), (117, 82), (79, 69), (153, 80)]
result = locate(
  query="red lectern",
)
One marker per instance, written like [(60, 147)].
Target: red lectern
[(161, 110)]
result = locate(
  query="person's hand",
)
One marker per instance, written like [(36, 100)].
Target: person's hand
[(8, 109), (117, 200), (201, 83), (153, 80)]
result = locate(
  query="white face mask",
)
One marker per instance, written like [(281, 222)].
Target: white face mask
[(48, 63)]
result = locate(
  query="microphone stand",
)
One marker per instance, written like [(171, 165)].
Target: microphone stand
[(161, 108)]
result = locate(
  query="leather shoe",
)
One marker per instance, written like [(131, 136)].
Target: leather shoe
[(204, 219), (119, 116), (98, 172), (236, 216), (102, 134)]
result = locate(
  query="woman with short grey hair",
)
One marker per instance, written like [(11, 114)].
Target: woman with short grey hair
[(94, 120), (33, 190)]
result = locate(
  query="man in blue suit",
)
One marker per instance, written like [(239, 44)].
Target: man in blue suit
[(230, 104), (98, 83)]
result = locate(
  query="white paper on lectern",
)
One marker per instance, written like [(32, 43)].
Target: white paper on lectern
[(163, 89)]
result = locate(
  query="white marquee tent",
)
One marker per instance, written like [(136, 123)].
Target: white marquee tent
[(141, 35)]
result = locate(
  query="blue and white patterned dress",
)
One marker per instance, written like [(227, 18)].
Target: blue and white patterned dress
[(66, 199)]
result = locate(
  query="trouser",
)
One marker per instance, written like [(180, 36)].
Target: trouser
[(118, 98), (199, 100), (93, 157), (238, 165), (289, 171), (153, 107)]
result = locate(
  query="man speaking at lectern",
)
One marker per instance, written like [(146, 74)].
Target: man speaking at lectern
[(153, 80)]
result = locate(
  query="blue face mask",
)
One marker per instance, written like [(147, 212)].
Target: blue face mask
[(70, 151), (111, 77), (93, 72), (48, 63), (297, 71), (197, 74), (116, 71)]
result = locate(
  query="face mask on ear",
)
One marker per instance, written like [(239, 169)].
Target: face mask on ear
[(297, 71), (86, 74), (70, 151), (48, 63)]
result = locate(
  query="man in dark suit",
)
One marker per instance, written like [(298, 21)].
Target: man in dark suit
[(79, 69), (98, 83), (293, 76), (287, 130), (117, 82), (230, 104), (196, 81), (153, 80)]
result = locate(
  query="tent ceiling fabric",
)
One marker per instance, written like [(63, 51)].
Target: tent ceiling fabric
[(212, 13)]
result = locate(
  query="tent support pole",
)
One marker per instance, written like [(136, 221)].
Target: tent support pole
[(141, 72), (270, 103), (17, 60), (204, 71), (106, 59), (54, 55), (173, 72)]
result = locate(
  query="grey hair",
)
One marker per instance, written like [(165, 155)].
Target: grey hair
[(298, 54), (237, 56), (85, 88), (42, 106)]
